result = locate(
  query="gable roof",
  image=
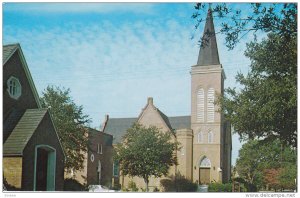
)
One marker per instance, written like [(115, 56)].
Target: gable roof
[(118, 126), (10, 121), (8, 51), (165, 118), (23, 131), (162, 116), (180, 122)]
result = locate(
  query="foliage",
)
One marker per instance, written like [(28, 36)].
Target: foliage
[(260, 163), (279, 18), (180, 184), (73, 185), (271, 178), (70, 123), (287, 176), (185, 185), (168, 185), (146, 152), (247, 165), (266, 107), (132, 186), (219, 187)]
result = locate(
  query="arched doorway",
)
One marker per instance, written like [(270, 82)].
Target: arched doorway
[(204, 170), (44, 168)]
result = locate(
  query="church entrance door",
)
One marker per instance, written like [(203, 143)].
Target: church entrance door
[(204, 175)]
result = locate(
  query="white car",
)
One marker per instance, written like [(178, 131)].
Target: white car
[(99, 188)]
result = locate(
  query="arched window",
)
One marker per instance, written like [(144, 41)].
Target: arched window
[(210, 105), (210, 137), (200, 105), (14, 87), (99, 172), (200, 137), (205, 162)]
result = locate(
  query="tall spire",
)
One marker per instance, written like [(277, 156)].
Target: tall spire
[(208, 53)]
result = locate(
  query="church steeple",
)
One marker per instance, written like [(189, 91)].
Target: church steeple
[(208, 54)]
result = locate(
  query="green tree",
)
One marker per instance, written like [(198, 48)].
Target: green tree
[(279, 18), (256, 160), (266, 106), (146, 152), (70, 123), (247, 165)]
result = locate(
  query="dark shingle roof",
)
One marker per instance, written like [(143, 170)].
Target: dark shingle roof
[(118, 126), (11, 121), (165, 118), (208, 54), (180, 122), (22, 133), (8, 50)]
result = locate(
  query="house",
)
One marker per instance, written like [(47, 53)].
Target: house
[(98, 162), (205, 135), (33, 158)]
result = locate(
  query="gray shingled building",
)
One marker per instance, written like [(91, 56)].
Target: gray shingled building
[(33, 158)]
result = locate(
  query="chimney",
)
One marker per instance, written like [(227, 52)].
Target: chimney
[(104, 123), (150, 100)]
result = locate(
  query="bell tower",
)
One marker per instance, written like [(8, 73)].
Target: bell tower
[(207, 82)]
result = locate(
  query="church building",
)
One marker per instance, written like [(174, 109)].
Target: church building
[(205, 135)]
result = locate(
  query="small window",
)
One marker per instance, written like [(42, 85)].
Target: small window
[(14, 87), (99, 148), (210, 137), (200, 137)]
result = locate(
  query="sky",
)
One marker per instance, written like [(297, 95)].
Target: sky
[(113, 56)]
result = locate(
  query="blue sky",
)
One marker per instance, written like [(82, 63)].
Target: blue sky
[(114, 55)]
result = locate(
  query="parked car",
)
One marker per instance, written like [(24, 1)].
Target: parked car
[(99, 188)]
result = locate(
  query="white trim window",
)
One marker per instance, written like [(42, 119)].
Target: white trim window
[(99, 148), (200, 105), (210, 105), (210, 137), (14, 87), (200, 137)]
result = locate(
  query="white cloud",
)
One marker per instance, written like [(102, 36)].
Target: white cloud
[(112, 69), (102, 65), (145, 8)]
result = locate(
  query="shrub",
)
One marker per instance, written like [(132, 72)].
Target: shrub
[(132, 186), (185, 185), (219, 187), (180, 185), (73, 185), (167, 185)]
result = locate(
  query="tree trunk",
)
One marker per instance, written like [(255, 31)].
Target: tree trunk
[(147, 183)]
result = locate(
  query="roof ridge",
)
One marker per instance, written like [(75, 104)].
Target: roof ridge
[(17, 44)]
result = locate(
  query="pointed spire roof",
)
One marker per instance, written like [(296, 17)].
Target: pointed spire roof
[(208, 53)]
